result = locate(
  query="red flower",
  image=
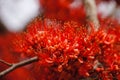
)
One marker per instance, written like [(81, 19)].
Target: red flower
[(68, 50)]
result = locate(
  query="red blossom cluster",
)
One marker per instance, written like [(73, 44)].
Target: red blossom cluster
[(64, 10), (67, 52)]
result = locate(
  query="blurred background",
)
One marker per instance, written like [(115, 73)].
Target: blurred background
[(16, 14)]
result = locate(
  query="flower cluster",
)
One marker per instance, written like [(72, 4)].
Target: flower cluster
[(66, 49), (64, 10)]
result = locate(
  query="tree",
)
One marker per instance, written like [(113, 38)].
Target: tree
[(66, 48)]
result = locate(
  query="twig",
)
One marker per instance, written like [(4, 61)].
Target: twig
[(17, 65), (91, 12), (2, 61)]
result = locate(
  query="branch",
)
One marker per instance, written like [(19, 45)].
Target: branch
[(91, 12), (17, 65)]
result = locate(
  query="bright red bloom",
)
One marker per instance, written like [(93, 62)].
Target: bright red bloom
[(66, 49)]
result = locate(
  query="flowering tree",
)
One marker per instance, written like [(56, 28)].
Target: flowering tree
[(81, 49)]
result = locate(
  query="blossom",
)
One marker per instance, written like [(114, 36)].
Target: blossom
[(67, 49)]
